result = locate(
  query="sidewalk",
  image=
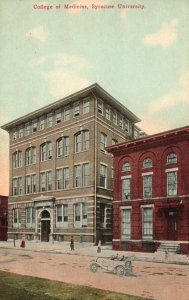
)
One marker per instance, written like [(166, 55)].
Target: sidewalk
[(88, 249)]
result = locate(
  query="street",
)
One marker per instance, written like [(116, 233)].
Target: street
[(150, 280)]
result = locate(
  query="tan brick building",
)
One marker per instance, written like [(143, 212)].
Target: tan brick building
[(60, 174)]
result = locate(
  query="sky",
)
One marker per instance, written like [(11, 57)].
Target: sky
[(138, 55)]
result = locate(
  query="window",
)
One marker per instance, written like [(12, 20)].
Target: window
[(107, 113), (86, 106), (30, 217), (85, 174), (46, 151), (62, 215), (59, 179), (66, 178), (85, 140), (67, 113), (49, 120), (126, 224), (115, 118), (66, 145), (82, 141), (30, 156), (17, 186), (27, 129), (62, 178), (76, 109), (103, 141), (58, 116), (30, 183), (20, 132), (136, 133), (43, 182), (103, 176), (100, 107), (126, 125), (171, 158), (59, 147), (14, 134), (78, 142), (172, 183), (103, 215), (121, 122), (80, 215), (114, 142), (147, 186), (34, 126), (77, 173), (42, 123), (15, 217), (62, 146), (126, 167), (81, 175), (46, 181), (147, 163), (49, 180), (17, 159), (126, 186), (147, 230)]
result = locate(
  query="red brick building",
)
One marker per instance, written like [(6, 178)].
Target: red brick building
[(3, 217), (151, 192)]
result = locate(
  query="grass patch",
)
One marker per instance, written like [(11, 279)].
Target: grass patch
[(18, 287)]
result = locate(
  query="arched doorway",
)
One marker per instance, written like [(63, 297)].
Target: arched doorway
[(45, 225)]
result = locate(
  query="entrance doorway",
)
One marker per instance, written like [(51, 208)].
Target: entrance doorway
[(45, 226), (45, 230), (172, 226)]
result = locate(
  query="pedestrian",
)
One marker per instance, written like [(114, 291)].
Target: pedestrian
[(166, 254), (72, 243), (99, 247), (23, 242)]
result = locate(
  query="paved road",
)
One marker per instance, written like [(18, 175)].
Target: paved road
[(151, 280)]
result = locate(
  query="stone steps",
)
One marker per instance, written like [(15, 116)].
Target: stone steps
[(170, 247)]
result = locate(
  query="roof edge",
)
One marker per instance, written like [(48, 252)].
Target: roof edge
[(94, 87)]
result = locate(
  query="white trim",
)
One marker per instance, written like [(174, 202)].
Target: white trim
[(147, 205), (43, 171), (81, 163), (125, 207), (171, 170), (104, 164), (127, 176), (147, 173)]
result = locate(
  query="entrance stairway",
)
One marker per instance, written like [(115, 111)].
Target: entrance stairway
[(168, 246)]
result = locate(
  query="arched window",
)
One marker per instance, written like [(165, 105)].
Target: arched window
[(45, 214), (126, 167), (147, 163), (46, 151), (30, 156), (78, 142), (82, 141), (59, 147), (171, 158), (17, 159), (62, 146)]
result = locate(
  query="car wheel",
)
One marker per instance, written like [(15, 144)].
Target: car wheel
[(93, 267), (120, 270)]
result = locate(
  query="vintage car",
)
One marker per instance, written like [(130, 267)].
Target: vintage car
[(118, 265)]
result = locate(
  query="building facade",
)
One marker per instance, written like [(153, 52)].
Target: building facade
[(3, 217), (61, 177), (151, 192)]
